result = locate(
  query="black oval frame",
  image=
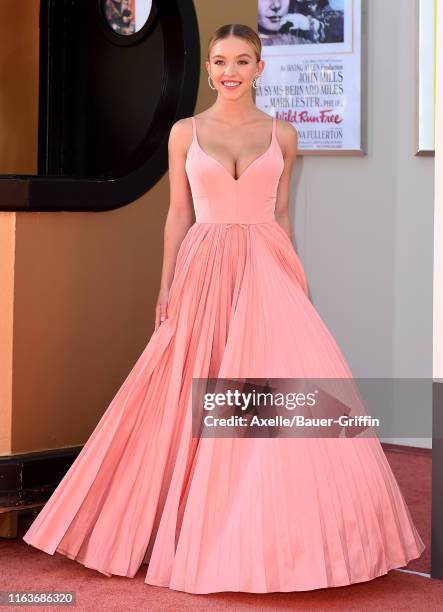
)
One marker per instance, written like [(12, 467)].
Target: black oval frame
[(179, 93), (124, 40)]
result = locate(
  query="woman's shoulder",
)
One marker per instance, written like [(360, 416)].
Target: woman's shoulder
[(182, 125), (286, 128), (286, 133), (180, 134)]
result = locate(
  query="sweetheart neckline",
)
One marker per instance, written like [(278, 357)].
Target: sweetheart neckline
[(236, 180)]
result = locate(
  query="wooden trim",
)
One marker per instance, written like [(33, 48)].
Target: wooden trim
[(403, 448)]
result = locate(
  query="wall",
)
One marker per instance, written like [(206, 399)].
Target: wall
[(79, 289), (364, 225), (438, 215), (19, 57), (18, 155)]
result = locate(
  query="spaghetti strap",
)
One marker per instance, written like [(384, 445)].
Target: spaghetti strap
[(274, 123), (194, 135)]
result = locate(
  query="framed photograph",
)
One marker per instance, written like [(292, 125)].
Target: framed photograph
[(427, 74), (313, 74)]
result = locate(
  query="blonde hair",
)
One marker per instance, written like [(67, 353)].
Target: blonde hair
[(239, 30)]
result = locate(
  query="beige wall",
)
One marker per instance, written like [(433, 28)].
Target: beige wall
[(78, 291), (19, 56), (7, 252)]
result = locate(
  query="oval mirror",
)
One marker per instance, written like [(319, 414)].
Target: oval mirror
[(126, 17)]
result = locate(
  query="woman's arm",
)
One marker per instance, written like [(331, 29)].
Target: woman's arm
[(181, 213), (288, 140)]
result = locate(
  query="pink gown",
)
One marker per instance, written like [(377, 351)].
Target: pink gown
[(229, 514)]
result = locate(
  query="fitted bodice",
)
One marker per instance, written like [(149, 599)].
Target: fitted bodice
[(218, 197)]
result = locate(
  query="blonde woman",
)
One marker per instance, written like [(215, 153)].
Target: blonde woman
[(235, 513)]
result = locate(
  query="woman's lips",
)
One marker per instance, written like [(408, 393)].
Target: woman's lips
[(231, 84)]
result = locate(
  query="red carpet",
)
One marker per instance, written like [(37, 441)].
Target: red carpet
[(23, 568)]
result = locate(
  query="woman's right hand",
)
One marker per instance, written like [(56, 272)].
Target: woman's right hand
[(161, 308)]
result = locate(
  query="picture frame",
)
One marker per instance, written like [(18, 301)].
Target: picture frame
[(315, 72), (427, 75)]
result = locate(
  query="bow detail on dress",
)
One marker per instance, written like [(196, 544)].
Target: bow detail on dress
[(244, 225)]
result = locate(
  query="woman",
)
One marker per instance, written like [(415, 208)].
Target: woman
[(216, 514)]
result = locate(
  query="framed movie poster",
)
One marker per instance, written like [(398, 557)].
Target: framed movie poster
[(313, 74)]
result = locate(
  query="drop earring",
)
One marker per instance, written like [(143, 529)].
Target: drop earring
[(209, 82), (254, 82)]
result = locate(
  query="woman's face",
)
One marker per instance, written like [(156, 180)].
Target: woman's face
[(270, 13), (233, 59)]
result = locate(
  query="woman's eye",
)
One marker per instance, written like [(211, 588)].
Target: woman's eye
[(240, 61)]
